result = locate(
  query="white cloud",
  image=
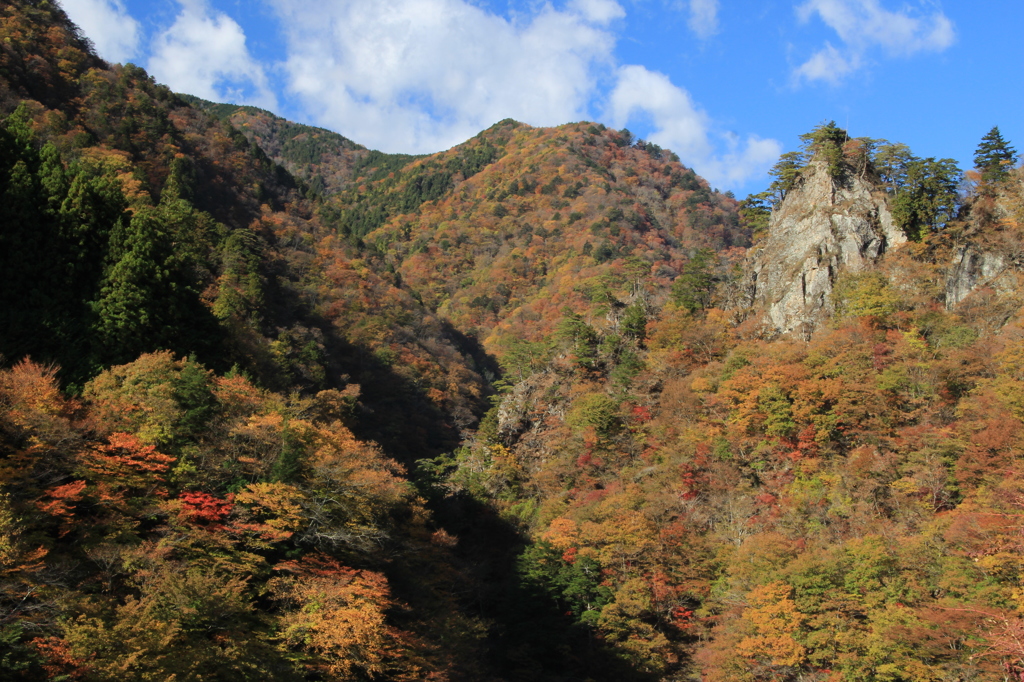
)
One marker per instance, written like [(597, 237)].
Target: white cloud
[(829, 65), (683, 127), (204, 54), (598, 11), (423, 75), (108, 25), (703, 18), (863, 25)]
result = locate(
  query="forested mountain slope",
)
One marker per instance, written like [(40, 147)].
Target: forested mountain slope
[(137, 223), (176, 517), (274, 406), (844, 503), (327, 162)]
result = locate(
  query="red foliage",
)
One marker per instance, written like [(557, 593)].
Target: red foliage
[(682, 617), (62, 499), (641, 414), (199, 507), (127, 450), (57, 659)]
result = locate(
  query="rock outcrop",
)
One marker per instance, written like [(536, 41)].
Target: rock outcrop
[(824, 226), (993, 254), (972, 267)]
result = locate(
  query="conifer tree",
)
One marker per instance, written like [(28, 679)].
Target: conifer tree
[(994, 156), (696, 282)]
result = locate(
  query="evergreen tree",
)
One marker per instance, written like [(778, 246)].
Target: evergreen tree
[(580, 336), (785, 172), (634, 322), (891, 160), (755, 211), (149, 295), (928, 198), (827, 140), (694, 285), (994, 156)]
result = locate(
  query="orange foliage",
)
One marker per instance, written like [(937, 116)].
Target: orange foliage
[(338, 613)]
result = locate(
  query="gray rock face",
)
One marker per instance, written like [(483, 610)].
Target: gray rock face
[(991, 258), (821, 228), (973, 267)]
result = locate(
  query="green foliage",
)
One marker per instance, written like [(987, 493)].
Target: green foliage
[(404, 188), (576, 586), (18, 660), (778, 412), (826, 140), (755, 211), (891, 160), (193, 391), (634, 322), (628, 364), (786, 172), (377, 165), (927, 198), (288, 464), (869, 293), (694, 286), (521, 358), (580, 337), (594, 410), (149, 297), (994, 157), (241, 286)]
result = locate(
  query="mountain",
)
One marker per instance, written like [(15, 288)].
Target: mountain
[(325, 161), (543, 406), (191, 359), (539, 220), (164, 228), (517, 221)]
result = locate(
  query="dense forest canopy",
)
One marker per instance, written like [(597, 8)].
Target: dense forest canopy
[(274, 406)]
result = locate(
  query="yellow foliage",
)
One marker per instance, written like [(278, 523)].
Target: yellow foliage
[(138, 397), (337, 613), (275, 505), (562, 533), (774, 619)]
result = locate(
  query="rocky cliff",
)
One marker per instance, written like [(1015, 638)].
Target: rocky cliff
[(992, 256), (823, 226)]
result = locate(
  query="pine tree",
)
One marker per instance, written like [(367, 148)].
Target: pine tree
[(994, 156), (695, 284)]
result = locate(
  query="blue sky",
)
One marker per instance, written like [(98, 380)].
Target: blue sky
[(726, 84)]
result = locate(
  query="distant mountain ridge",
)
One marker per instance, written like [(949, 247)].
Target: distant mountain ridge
[(502, 232), (324, 160)]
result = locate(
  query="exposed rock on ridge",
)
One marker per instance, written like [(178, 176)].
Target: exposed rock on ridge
[(993, 255), (823, 226)]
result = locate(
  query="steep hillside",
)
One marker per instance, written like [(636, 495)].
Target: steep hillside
[(135, 223), (502, 233), (499, 234), (720, 503), (325, 161), (176, 517), (829, 224), (243, 412), (985, 254)]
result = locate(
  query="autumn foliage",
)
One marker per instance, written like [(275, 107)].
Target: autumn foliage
[(488, 414)]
